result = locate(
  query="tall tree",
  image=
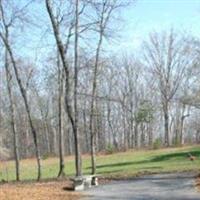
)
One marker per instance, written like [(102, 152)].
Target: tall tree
[(60, 119), (12, 115), (6, 24), (167, 57), (76, 133), (68, 103), (104, 11)]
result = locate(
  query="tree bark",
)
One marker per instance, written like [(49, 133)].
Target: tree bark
[(166, 123), (12, 117), (76, 129), (136, 135), (68, 106), (183, 116), (24, 96), (60, 120), (150, 134), (94, 86)]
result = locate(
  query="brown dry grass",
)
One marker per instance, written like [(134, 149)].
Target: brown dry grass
[(38, 191)]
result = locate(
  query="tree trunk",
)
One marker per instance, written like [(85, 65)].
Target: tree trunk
[(125, 132), (150, 134), (60, 121), (55, 143), (182, 123), (47, 135), (23, 93), (27, 139), (76, 135), (181, 130), (136, 135), (12, 117), (85, 130), (142, 127), (94, 86), (68, 105), (166, 124)]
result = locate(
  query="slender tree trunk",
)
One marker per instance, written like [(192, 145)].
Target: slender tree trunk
[(23, 93), (68, 106), (85, 130), (12, 117), (182, 123), (125, 134), (136, 135), (94, 86), (60, 120), (99, 129), (70, 141), (166, 123), (27, 139), (150, 134), (142, 127), (47, 136), (76, 135), (131, 122), (92, 140), (181, 130), (55, 143)]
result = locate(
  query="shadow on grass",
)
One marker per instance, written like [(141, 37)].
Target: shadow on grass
[(172, 176), (175, 155), (111, 171), (160, 158)]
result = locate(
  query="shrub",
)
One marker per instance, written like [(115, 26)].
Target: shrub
[(110, 149), (157, 144), (46, 156)]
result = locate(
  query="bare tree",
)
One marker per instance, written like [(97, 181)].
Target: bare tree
[(104, 10), (166, 55), (12, 114), (68, 103), (60, 118), (6, 25)]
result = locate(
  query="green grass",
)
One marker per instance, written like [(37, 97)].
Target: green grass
[(124, 164)]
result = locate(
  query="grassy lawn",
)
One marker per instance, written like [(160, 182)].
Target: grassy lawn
[(115, 165)]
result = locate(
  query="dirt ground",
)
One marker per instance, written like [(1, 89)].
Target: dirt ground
[(38, 191)]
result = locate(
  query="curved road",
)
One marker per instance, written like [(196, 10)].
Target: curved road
[(154, 187)]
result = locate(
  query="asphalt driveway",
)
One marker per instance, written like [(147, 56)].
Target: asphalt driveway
[(179, 186)]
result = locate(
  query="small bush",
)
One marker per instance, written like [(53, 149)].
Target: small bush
[(46, 156), (110, 149), (157, 144)]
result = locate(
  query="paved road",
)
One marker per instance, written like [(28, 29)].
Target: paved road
[(154, 187)]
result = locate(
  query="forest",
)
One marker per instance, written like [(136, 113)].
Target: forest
[(65, 91)]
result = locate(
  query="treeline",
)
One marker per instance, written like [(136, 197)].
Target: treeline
[(78, 98)]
